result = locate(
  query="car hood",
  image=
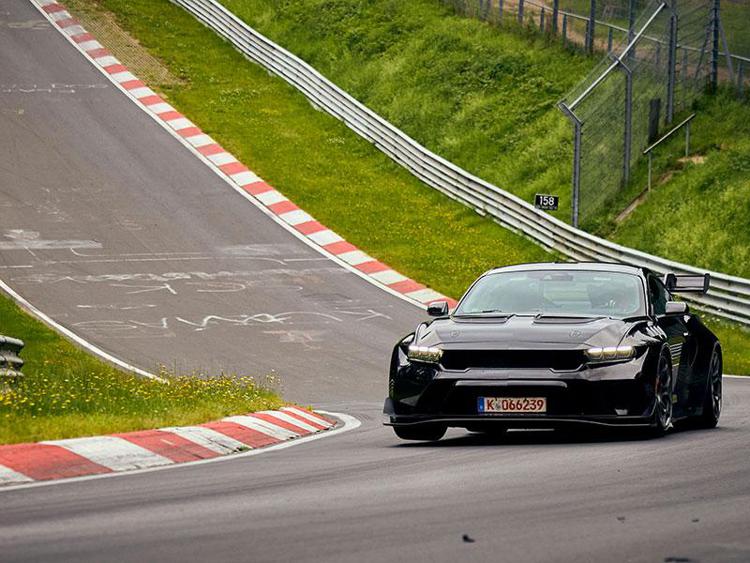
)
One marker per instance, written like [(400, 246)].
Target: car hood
[(522, 332)]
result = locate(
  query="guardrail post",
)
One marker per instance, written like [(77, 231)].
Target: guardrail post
[(715, 44), (590, 27), (671, 63), (687, 139), (555, 14), (520, 12), (609, 40)]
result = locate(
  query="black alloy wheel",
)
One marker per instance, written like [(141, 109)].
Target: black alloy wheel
[(662, 421), (712, 403), (423, 432)]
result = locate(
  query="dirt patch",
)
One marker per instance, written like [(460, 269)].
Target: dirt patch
[(632, 206), (102, 24), (693, 159)]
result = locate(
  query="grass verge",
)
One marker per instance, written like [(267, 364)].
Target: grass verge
[(329, 171), (69, 393)]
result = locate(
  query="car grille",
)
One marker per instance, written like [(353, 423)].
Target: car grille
[(561, 360)]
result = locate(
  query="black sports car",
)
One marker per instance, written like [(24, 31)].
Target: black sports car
[(544, 345)]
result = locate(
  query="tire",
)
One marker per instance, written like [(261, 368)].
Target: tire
[(713, 398), (423, 432), (662, 417)]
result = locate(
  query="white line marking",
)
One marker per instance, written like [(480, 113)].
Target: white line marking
[(110, 451), (208, 438), (349, 423)]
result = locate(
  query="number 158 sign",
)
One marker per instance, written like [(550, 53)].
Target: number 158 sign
[(546, 202)]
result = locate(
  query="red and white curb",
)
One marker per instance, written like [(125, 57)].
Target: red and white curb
[(147, 449), (241, 177)]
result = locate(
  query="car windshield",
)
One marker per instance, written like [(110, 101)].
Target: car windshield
[(556, 293)]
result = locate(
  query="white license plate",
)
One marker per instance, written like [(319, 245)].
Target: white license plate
[(512, 404)]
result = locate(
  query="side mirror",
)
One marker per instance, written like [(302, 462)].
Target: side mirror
[(676, 308), (437, 309)]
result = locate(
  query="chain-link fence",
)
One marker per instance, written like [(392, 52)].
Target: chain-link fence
[(661, 55)]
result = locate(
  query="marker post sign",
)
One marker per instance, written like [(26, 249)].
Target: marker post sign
[(546, 202)]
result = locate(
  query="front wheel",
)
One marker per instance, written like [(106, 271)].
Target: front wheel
[(662, 419), (423, 432), (712, 402)]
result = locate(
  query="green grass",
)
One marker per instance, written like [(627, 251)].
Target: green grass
[(338, 177), (480, 98), (67, 392), (703, 210)]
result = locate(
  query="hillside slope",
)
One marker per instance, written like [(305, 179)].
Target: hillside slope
[(484, 97)]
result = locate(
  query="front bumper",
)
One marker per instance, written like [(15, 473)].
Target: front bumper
[(614, 395)]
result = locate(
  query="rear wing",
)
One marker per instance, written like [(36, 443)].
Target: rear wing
[(687, 284)]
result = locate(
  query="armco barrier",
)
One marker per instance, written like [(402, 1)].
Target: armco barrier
[(729, 296), (10, 362)]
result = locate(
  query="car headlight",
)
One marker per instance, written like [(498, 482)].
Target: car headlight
[(610, 353), (424, 354)]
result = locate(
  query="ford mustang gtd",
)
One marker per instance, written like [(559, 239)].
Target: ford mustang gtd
[(544, 345)]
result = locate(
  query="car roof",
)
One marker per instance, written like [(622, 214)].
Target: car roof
[(579, 266)]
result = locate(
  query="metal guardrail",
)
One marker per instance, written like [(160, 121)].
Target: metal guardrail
[(729, 296), (10, 361)]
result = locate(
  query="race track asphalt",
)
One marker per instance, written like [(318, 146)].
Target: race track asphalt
[(115, 230)]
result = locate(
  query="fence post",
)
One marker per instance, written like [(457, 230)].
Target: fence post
[(631, 28), (555, 15), (687, 139), (577, 133), (671, 63), (609, 41), (628, 136), (741, 80), (590, 27), (565, 30), (715, 44), (499, 10), (541, 21), (520, 12)]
